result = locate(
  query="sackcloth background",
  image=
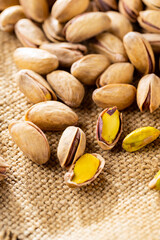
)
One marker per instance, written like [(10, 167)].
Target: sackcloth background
[(36, 204)]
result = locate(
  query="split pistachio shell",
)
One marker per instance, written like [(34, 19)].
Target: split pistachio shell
[(109, 128), (140, 138), (67, 87), (85, 166), (88, 68), (152, 4), (71, 146), (130, 8), (106, 5), (150, 20), (119, 95), (148, 93), (3, 168), (34, 87), (31, 140), (139, 52), (86, 26), (51, 115), (35, 59), (155, 182), (64, 10), (7, 3), (10, 16), (154, 40)]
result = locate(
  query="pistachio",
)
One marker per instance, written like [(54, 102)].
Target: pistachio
[(154, 40), (148, 97), (86, 26), (92, 7), (67, 87), (34, 87), (51, 115), (130, 8), (7, 3), (85, 170), (119, 95), (31, 140), (36, 10), (64, 10), (67, 53), (139, 52), (38, 60), (111, 46), (140, 138), (106, 5), (71, 146), (155, 182), (3, 168), (88, 68), (116, 73), (150, 20), (152, 4), (109, 128), (9, 17)]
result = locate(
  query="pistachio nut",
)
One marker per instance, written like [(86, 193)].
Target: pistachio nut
[(154, 40), (51, 115), (130, 8), (7, 3), (53, 29), (119, 95), (3, 168), (85, 170), (148, 97), (120, 25), (109, 45), (116, 73), (152, 4), (106, 5), (9, 17), (35, 59), (67, 53), (109, 128), (36, 10), (150, 20), (67, 87), (64, 10), (140, 138), (34, 87), (139, 52), (155, 182), (88, 68), (31, 140), (71, 146), (86, 26)]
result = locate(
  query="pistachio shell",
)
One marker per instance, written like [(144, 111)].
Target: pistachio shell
[(7, 3), (154, 40), (155, 182), (106, 5), (3, 168), (92, 7), (130, 8), (150, 20), (153, 4)]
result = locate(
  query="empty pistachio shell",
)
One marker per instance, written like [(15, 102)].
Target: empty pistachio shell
[(51, 115), (130, 8), (154, 40), (150, 20), (3, 168), (140, 138), (155, 182), (7, 3), (139, 52), (31, 140), (85, 170), (119, 95), (35, 59), (106, 5), (88, 68), (71, 146), (153, 4)]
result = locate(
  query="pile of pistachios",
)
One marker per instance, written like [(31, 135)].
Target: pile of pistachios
[(92, 43)]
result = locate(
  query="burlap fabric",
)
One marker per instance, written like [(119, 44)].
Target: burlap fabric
[(35, 203)]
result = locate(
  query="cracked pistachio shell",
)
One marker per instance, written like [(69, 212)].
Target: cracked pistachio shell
[(155, 182), (7, 3), (36, 10), (86, 26), (3, 168), (64, 10), (66, 87), (51, 115), (154, 40), (37, 60), (70, 174), (130, 8), (67, 53), (29, 34), (88, 68), (140, 52), (152, 4), (34, 87), (9, 17), (106, 5), (150, 20), (110, 46), (31, 140), (119, 95), (148, 93), (71, 146)]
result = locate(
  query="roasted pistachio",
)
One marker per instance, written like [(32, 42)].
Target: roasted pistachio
[(155, 182), (106, 5), (71, 146), (7, 3), (3, 168), (85, 170), (31, 140), (154, 40), (152, 4), (51, 115), (130, 8), (140, 138), (150, 20)]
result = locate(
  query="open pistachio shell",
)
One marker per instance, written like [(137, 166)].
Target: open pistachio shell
[(106, 5), (3, 168), (150, 20), (154, 40), (152, 4), (130, 8)]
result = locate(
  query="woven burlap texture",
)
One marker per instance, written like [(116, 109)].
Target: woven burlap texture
[(36, 204)]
